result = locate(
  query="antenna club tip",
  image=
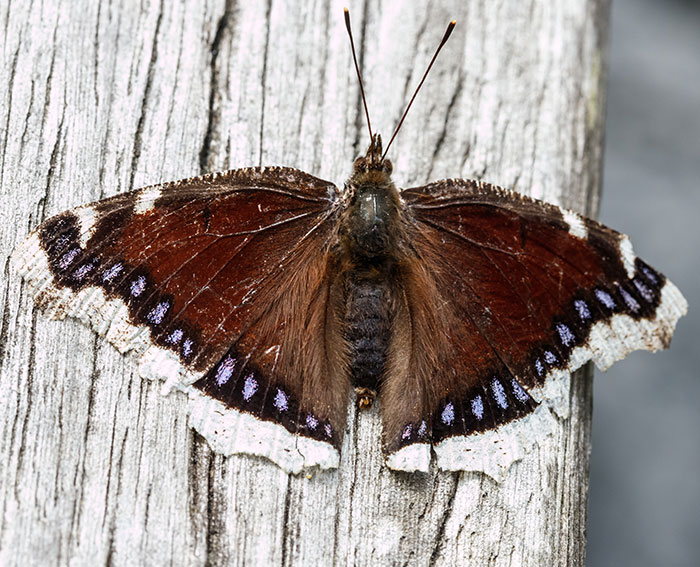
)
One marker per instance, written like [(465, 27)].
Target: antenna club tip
[(346, 10), (453, 23)]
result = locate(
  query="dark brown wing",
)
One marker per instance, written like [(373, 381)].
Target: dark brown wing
[(220, 285), (526, 293)]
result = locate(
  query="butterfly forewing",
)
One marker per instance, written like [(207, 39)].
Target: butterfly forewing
[(526, 290), (222, 279)]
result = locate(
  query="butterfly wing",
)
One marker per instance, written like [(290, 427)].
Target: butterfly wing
[(525, 294), (220, 285)]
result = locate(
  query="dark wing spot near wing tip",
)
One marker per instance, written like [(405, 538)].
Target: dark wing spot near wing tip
[(69, 264), (59, 233), (629, 300), (652, 277), (624, 296), (72, 265), (606, 301), (649, 294), (608, 251), (108, 227)]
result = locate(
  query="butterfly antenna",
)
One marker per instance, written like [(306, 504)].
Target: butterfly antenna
[(357, 68), (448, 32)]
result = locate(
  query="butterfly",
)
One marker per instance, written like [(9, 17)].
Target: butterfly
[(269, 296)]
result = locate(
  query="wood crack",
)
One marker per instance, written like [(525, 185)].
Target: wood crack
[(23, 421), (5, 320), (266, 52), (443, 134), (90, 412), (286, 536), (138, 136), (213, 115), (440, 538), (10, 89)]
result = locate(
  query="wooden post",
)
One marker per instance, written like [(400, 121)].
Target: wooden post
[(97, 467)]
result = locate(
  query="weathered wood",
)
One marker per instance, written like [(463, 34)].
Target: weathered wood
[(95, 466)]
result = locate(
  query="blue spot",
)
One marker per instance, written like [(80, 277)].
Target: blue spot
[(565, 334), (311, 422), (175, 337), (539, 367), (281, 400), (110, 273), (605, 299), (249, 387), (520, 394), (138, 285), (582, 309), (225, 371), (84, 270), (650, 275), (629, 300), (448, 414), (478, 408), (549, 357), (157, 314), (499, 394), (67, 259), (644, 291)]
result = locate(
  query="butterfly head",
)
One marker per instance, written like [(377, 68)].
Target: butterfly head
[(372, 168)]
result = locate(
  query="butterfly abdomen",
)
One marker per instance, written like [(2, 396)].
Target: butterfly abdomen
[(368, 318)]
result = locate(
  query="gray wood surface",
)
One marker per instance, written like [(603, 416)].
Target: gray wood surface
[(96, 467)]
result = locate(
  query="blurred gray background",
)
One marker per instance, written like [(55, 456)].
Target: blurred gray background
[(645, 471)]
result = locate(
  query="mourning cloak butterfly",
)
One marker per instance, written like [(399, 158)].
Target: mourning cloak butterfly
[(267, 294)]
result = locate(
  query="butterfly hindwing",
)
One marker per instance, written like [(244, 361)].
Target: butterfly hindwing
[(526, 293), (209, 281)]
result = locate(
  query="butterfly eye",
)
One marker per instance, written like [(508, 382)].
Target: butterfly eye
[(360, 165), (387, 166)]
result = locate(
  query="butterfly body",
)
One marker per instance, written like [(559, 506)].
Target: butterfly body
[(369, 232)]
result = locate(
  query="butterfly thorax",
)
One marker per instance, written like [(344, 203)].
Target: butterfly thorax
[(370, 220)]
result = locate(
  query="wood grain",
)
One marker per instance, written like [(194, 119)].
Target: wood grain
[(96, 98)]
